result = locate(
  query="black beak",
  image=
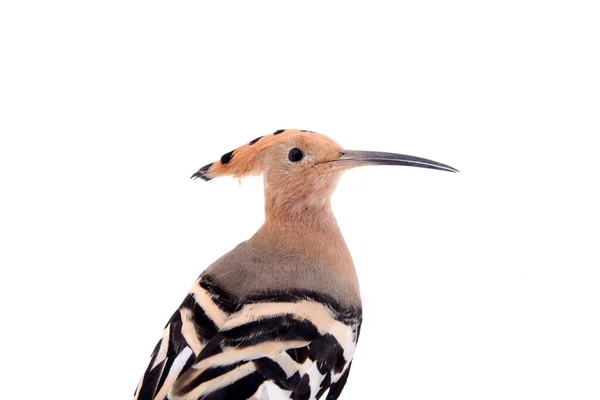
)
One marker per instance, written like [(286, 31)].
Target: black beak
[(357, 158)]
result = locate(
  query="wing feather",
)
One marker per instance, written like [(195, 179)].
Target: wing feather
[(273, 346), (188, 331)]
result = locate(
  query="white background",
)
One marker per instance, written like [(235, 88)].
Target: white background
[(478, 285)]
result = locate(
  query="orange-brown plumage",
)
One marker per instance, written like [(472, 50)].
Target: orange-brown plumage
[(291, 188), (249, 159)]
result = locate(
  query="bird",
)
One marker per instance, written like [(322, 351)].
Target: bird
[(279, 316)]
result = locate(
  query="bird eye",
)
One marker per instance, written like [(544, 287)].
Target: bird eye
[(295, 155)]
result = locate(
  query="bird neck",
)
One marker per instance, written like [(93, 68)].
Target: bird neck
[(314, 235), (301, 220), (294, 204), (299, 213)]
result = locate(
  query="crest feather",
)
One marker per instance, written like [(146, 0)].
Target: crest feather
[(245, 160)]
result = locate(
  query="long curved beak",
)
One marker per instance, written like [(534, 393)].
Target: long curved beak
[(358, 158)]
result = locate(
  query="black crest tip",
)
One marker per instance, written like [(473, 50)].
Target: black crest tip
[(201, 173), (225, 158)]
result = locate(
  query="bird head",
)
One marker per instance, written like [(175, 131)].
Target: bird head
[(301, 168)]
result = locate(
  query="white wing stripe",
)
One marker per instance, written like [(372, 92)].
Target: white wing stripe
[(270, 391), (164, 346), (205, 301), (189, 331), (289, 366), (231, 355), (174, 372), (320, 315)]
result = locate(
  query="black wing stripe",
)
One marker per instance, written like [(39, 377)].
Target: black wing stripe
[(199, 332), (205, 326), (299, 354), (282, 328), (328, 353), (237, 355), (221, 298), (336, 388), (176, 340), (341, 313), (272, 371), (324, 351), (150, 383), (302, 390), (209, 374), (172, 372), (325, 384), (162, 360)]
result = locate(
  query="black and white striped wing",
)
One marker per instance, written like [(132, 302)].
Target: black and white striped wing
[(274, 346), (191, 327)]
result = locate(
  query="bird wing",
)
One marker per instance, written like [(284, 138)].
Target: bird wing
[(293, 345), (198, 319)]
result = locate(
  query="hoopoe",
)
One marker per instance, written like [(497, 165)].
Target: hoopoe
[(279, 316)]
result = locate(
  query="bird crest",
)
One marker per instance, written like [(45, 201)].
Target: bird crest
[(248, 159)]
